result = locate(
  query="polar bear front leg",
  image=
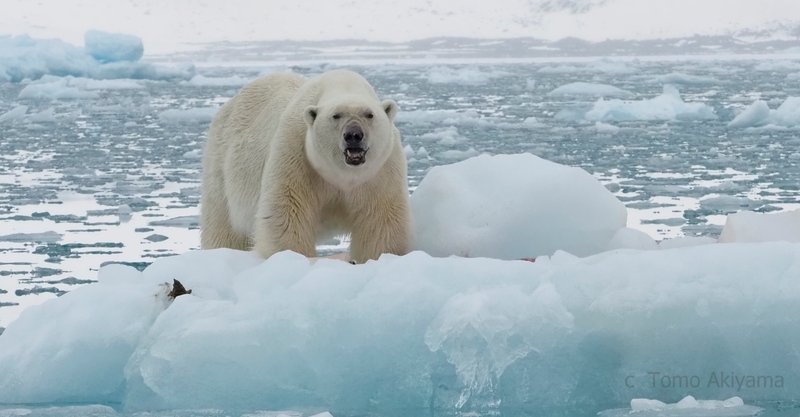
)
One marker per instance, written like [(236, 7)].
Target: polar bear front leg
[(385, 229), (285, 220)]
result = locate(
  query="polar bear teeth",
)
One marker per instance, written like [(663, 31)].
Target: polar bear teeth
[(355, 156)]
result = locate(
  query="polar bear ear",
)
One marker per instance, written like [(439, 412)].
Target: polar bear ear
[(390, 107), (310, 115)]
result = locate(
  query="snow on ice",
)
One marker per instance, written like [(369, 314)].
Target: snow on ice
[(105, 56)]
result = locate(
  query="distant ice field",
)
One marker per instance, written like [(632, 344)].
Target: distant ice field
[(108, 171)]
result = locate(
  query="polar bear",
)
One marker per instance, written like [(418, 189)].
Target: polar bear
[(291, 160)]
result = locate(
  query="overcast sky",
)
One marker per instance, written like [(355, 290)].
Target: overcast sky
[(169, 25)]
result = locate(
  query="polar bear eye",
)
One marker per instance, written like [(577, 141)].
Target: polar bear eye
[(337, 116), (370, 115)]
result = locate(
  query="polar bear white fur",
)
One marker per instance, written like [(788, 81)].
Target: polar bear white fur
[(290, 161)]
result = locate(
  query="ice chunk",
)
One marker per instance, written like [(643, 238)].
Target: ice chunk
[(777, 65), (113, 47), (44, 237), (87, 361), (513, 206), (23, 57), (203, 81), (606, 128), (748, 226), (408, 150), (589, 89), (445, 136), (759, 114), (610, 67), (788, 113), (667, 106), (686, 79), (44, 116), (181, 221), (191, 116), (15, 114), (462, 75), (54, 89), (688, 406), (627, 238), (193, 154), (457, 154), (641, 404), (532, 123)]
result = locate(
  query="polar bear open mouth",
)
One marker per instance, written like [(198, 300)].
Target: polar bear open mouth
[(355, 156)]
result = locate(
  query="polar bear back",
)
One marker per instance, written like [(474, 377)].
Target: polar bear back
[(239, 140)]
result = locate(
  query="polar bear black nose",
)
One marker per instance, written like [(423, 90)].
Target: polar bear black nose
[(353, 135)]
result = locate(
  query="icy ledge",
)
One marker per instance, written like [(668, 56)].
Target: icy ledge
[(417, 335)]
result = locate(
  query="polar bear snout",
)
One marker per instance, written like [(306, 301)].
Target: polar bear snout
[(353, 136), (355, 149)]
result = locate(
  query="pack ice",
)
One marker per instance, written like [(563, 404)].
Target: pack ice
[(425, 335)]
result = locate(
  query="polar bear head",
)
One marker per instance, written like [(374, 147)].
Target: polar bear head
[(350, 134)]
